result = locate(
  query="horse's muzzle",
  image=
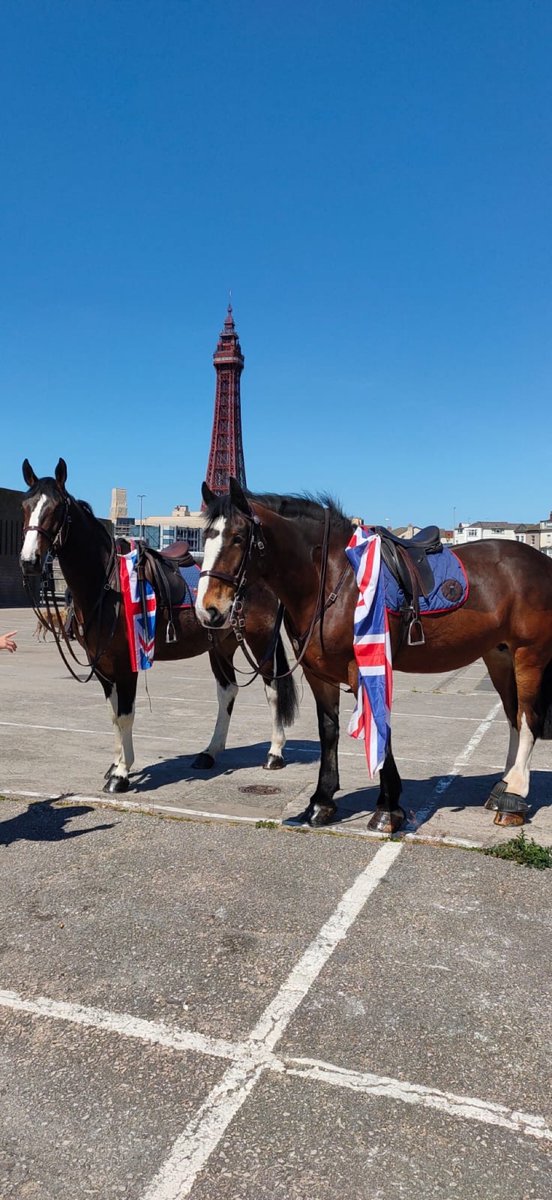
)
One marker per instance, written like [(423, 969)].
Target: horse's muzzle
[(31, 566), (212, 617)]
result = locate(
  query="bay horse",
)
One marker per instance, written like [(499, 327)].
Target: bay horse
[(54, 520), (296, 545)]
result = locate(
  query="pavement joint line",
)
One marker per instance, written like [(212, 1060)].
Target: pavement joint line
[(462, 760), (287, 824)]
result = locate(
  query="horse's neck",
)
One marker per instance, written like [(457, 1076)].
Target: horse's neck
[(295, 576), (83, 558)]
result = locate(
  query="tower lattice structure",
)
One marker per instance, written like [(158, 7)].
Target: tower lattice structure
[(226, 453)]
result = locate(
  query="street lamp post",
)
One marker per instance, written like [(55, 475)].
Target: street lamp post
[(141, 497)]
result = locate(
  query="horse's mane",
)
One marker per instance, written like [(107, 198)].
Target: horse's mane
[(303, 506)]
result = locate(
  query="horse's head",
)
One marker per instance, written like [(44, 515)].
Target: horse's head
[(44, 516), (232, 534)]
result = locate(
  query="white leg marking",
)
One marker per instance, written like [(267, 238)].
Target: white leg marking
[(212, 549), (519, 776), (278, 734), (203, 1133), (29, 549), (124, 749), (225, 697)]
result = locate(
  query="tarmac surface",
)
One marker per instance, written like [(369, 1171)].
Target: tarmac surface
[(199, 1000)]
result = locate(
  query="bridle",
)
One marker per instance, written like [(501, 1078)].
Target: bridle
[(56, 539), (56, 542), (238, 581)]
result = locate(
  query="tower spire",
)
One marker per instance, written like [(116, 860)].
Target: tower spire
[(226, 452)]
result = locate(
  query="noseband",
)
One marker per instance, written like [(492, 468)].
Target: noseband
[(55, 538), (254, 542)]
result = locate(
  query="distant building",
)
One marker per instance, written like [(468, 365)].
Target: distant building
[(479, 530), (181, 525)]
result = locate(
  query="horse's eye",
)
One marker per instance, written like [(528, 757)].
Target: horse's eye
[(237, 540)]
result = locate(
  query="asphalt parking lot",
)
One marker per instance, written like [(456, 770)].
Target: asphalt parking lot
[(196, 1000)]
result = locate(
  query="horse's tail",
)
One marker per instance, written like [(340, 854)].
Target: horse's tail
[(546, 702), (288, 702)]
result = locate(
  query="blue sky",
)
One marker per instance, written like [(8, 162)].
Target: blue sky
[(372, 182)]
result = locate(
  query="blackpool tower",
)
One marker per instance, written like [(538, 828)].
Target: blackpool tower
[(226, 453)]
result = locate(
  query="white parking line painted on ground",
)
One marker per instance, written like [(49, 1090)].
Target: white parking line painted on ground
[(461, 761), (468, 1107), (203, 1133), (156, 1032)]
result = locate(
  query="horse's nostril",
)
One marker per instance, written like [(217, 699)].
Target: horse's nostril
[(215, 617)]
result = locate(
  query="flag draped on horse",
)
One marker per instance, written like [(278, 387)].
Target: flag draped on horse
[(371, 720), (139, 606)]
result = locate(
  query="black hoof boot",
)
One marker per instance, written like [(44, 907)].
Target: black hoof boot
[(511, 810), (274, 762), (494, 795), (117, 783), (110, 770), (203, 762)]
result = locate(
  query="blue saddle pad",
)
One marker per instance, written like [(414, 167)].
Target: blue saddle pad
[(190, 576), (450, 588)]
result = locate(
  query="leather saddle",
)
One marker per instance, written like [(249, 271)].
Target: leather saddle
[(408, 561), (161, 568)]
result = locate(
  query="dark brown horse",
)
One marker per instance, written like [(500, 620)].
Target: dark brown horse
[(297, 547), (54, 520)]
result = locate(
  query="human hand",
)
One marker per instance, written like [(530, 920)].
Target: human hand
[(7, 642)]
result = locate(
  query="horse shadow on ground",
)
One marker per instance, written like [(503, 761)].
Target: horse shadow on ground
[(179, 769), (419, 796), (43, 822)]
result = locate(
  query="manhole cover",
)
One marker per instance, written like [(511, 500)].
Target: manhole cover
[(260, 789)]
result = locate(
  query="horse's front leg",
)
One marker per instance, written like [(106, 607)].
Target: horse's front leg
[(389, 815), (121, 698), (227, 690), (321, 808)]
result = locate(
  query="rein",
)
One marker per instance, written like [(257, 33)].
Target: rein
[(238, 582), (60, 633)]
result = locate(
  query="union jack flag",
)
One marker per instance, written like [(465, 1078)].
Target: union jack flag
[(140, 632), (371, 720)]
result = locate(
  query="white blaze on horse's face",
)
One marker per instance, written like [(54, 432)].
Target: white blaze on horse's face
[(213, 594), (30, 553)]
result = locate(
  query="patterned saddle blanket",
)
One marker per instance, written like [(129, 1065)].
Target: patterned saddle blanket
[(450, 586)]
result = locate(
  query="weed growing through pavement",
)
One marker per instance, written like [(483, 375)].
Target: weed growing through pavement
[(525, 852), (266, 824)]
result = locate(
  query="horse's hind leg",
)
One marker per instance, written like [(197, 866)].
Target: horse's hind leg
[(120, 698), (281, 695), (227, 690), (512, 803), (500, 666)]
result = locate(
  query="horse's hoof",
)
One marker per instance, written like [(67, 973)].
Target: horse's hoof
[(117, 783), (203, 762), (110, 770), (274, 762), (495, 795), (509, 818), (385, 820), (321, 814)]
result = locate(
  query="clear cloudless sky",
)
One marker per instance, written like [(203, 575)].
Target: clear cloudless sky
[(370, 178)]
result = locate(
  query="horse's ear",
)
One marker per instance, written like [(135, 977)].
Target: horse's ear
[(61, 473), (207, 494), (28, 474), (238, 497)]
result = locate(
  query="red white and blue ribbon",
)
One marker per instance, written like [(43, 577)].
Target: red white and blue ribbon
[(139, 613), (371, 720)]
